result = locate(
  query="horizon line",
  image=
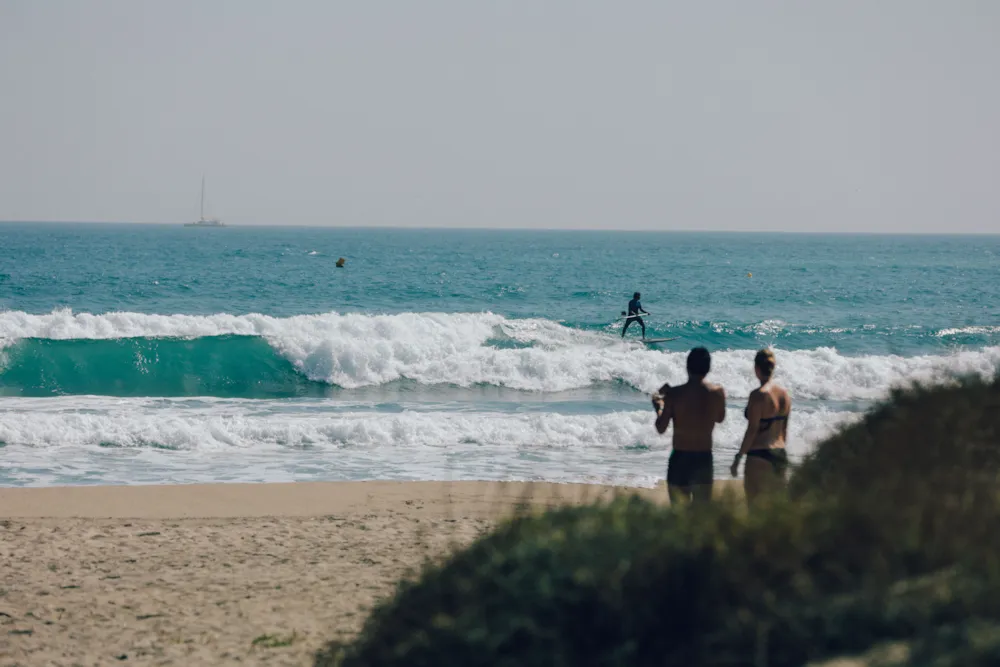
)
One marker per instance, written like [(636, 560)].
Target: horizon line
[(515, 228)]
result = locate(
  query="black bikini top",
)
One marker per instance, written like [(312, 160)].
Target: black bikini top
[(765, 422)]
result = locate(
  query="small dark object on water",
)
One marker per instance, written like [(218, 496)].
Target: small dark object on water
[(340, 263)]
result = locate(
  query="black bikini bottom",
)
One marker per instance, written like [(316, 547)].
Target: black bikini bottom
[(778, 458)]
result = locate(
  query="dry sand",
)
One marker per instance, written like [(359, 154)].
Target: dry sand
[(220, 573)]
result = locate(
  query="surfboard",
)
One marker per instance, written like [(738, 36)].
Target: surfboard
[(651, 341)]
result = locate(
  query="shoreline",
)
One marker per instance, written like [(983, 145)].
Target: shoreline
[(300, 499)]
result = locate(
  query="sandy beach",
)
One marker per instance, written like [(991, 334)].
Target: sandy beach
[(218, 573)]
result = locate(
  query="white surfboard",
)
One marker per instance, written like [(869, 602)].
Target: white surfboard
[(653, 341)]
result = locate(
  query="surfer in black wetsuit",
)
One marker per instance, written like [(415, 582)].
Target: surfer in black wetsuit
[(634, 308)]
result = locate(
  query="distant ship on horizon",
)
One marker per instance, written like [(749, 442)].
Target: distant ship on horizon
[(202, 221)]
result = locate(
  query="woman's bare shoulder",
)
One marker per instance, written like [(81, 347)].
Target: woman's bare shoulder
[(778, 390), (786, 397)]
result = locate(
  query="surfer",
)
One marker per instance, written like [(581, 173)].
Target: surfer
[(634, 308), (695, 408)]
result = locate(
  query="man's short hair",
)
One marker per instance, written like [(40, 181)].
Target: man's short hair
[(699, 362)]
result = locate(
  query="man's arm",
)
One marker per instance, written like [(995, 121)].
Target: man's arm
[(664, 411), (720, 405)]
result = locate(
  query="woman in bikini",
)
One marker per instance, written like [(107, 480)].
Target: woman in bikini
[(767, 431)]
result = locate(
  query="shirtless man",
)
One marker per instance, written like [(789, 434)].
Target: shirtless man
[(695, 408)]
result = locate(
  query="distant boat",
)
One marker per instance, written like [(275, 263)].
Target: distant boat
[(203, 222)]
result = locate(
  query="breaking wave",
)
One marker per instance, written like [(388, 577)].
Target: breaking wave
[(135, 441), (258, 356)]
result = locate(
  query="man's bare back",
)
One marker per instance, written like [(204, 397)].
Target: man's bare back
[(695, 408)]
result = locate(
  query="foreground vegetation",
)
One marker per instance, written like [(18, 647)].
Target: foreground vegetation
[(887, 547)]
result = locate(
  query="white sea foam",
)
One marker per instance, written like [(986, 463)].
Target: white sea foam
[(465, 349), (968, 331), (105, 440)]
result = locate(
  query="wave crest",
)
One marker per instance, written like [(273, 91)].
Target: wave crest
[(354, 350)]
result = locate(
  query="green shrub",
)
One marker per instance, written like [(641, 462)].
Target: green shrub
[(631, 583), (925, 465), (883, 538), (925, 438)]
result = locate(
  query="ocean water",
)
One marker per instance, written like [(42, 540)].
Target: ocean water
[(162, 354)]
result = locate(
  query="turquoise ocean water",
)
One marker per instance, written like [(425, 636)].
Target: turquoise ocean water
[(163, 354)]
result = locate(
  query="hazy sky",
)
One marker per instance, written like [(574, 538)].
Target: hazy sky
[(837, 115)]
